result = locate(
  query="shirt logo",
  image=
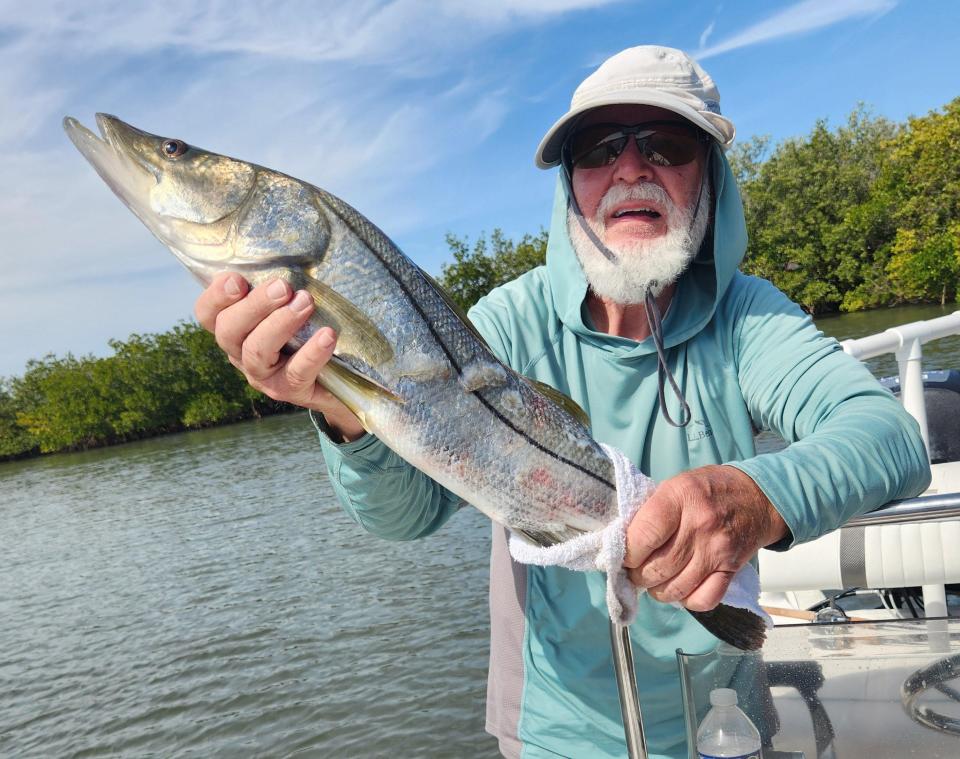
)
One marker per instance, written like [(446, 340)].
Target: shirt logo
[(698, 430)]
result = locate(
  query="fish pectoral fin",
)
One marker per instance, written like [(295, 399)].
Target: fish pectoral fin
[(354, 390), (563, 401), (338, 312), (360, 381)]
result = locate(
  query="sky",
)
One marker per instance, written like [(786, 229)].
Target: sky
[(423, 115)]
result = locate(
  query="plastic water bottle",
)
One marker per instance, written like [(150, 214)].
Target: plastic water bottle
[(726, 732)]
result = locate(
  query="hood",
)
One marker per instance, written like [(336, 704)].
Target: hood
[(700, 287)]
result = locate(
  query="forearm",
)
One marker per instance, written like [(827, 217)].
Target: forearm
[(866, 455), (852, 445)]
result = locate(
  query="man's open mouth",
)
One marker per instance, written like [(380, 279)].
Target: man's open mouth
[(647, 213)]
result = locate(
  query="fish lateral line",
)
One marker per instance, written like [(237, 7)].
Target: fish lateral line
[(389, 268)]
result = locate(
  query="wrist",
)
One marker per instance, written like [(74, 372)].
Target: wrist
[(772, 526), (342, 428)]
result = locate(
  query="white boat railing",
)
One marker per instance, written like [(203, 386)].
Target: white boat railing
[(905, 342), (940, 504)]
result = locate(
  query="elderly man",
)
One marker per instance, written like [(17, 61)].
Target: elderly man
[(641, 316)]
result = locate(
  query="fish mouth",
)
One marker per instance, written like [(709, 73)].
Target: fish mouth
[(115, 158)]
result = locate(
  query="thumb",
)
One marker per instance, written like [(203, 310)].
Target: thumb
[(651, 527), (710, 592)]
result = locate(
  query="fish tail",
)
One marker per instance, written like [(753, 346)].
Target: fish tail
[(738, 627)]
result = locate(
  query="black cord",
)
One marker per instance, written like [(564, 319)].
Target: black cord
[(831, 601), (654, 320)]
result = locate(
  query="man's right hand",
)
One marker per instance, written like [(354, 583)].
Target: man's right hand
[(252, 326)]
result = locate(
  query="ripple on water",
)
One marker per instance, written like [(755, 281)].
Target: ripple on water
[(203, 595)]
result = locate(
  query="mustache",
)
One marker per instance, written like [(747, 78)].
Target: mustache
[(634, 192)]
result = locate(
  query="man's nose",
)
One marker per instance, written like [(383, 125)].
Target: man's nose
[(632, 165)]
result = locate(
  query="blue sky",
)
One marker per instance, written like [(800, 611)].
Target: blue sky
[(423, 115)]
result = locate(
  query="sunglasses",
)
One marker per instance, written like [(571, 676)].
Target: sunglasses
[(663, 143)]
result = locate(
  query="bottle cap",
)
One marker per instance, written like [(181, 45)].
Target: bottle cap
[(723, 697)]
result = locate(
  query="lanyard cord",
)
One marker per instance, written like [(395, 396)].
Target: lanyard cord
[(654, 321), (664, 373)]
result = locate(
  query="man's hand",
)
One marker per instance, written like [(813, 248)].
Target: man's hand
[(252, 326), (696, 531)]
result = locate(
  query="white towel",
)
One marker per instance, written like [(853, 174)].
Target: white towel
[(605, 550)]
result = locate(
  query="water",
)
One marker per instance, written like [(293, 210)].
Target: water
[(203, 595)]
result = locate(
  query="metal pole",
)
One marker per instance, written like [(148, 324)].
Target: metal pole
[(919, 509), (934, 600), (627, 688), (909, 361)]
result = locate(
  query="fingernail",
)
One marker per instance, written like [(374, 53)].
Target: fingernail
[(325, 339), (300, 301), (231, 287), (277, 289)]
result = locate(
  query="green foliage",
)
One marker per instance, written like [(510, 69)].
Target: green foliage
[(924, 182), (815, 228), (926, 266), (15, 440), (746, 159), (476, 272), (63, 402), (210, 408), (861, 216), (151, 385)]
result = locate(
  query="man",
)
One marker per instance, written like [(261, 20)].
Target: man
[(641, 316)]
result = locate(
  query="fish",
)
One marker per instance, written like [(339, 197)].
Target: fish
[(408, 363)]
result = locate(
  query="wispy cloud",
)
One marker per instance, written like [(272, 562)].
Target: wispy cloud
[(705, 34), (369, 32), (797, 19)]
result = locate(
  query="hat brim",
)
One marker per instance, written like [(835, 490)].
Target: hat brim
[(717, 126)]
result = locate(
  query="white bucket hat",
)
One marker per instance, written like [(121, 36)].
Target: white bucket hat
[(644, 75)]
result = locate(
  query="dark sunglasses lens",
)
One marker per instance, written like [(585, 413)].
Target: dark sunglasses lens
[(602, 153), (670, 149), (592, 148)]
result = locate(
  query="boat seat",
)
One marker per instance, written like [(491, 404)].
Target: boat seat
[(874, 556)]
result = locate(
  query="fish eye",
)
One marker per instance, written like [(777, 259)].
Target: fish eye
[(173, 148)]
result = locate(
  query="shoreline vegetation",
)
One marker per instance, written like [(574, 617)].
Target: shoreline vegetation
[(862, 216)]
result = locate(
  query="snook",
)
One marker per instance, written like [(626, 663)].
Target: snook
[(408, 364)]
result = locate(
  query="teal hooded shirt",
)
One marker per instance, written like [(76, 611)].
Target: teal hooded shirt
[(746, 358)]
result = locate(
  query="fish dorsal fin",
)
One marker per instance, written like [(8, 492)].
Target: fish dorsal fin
[(350, 387), (455, 307), (338, 312), (563, 401)]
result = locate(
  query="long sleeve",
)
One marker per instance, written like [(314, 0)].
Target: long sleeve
[(852, 445)]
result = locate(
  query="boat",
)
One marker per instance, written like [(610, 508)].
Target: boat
[(864, 658)]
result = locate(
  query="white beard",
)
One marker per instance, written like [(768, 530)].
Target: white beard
[(641, 266)]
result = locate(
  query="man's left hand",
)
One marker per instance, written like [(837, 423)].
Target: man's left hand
[(696, 531)]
